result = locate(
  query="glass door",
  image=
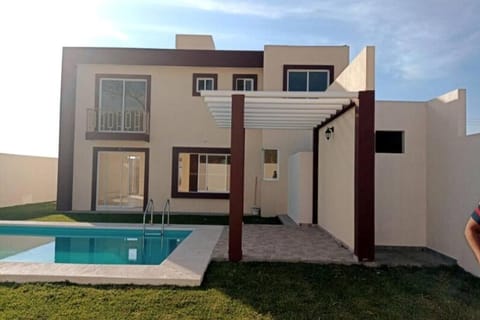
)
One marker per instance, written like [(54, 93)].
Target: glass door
[(120, 180)]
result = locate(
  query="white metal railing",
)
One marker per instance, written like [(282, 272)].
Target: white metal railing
[(166, 209), (148, 209), (133, 121)]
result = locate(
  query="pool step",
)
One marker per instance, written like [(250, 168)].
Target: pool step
[(153, 233)]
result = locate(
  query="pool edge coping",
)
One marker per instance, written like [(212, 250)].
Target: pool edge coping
[(184, 267)]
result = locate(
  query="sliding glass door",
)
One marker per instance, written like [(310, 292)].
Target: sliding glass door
[(120, 180)]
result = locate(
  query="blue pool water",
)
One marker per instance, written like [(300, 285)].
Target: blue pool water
[(87, 245)]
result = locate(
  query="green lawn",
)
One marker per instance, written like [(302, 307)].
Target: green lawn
[(46, 212), (250, 290), (262, 291)]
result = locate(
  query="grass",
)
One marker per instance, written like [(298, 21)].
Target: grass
[(262, 291), (248, 290), (47, 212)]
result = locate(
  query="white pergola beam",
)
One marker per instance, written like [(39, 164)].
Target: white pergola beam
[(278, 110), (280, 101), (273, 112), (276, 94), (272, 108)]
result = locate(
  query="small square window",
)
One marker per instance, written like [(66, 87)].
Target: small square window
[(245, 82), (389, 142), (203, 81), (270, 164), (204, 84), (244, 85)]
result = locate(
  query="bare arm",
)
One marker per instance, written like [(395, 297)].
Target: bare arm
[(472, 234)]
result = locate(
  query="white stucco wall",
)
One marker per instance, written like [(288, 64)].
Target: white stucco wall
[(27, 179), (336, 178), (400, 179), (453, 178), (360, 73), (300, 187), (274, 194)]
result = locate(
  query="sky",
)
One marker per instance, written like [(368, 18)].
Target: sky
[(423, 48)]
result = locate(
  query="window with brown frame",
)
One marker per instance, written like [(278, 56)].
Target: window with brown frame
[(244, 82), (200, 172), (204, 81), (307, 77)]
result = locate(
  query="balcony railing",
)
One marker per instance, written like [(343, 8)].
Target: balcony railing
[(115, 124)]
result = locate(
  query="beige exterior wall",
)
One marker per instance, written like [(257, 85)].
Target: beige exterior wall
[(400, 179), (177, 119), (359, 75), (27, 179), (197, 41), (274, 200), (453, 178), (425, 196), (336, 177), (300, 187), (275, 57)]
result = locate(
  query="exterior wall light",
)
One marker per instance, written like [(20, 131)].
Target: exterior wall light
[(329, 132)]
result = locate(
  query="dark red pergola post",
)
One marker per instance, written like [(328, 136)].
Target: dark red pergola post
[(237, 166), (365, 176)]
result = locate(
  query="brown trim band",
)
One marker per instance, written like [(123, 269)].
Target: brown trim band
[(96, 150), (193, 195), (117, 136), (165, 57), (364, 247), (66, 139), (315, 148)]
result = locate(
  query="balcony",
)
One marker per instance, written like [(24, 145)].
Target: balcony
[(118, 125)]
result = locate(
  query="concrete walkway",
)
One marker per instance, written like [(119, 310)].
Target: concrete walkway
[(286, 244), (291, 243)]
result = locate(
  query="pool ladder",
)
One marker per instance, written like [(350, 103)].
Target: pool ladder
[(150, 209)]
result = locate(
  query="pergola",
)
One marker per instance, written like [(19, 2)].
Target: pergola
[(277, 109), (267, 110)]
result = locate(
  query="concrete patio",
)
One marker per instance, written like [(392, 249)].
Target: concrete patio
[(291, 243), (286, 244)]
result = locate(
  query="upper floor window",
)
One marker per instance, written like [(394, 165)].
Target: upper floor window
[(307, 78), (122, 104), (204, 81), (245, 82)]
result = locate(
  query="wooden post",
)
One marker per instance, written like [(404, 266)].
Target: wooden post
[(364, 247), (237, 166)]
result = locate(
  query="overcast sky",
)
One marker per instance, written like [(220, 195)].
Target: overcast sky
[(423, 48)]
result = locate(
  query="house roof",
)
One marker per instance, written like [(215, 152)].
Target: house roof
[(278, 109)]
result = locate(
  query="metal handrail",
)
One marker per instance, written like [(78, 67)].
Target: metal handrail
[(148, 208), (166, 208)]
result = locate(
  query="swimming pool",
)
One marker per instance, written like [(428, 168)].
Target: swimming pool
[(184, 266), (50, 244)]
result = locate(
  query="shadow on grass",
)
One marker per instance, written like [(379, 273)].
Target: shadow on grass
[(309, 291), (47, 212), (264, 291)]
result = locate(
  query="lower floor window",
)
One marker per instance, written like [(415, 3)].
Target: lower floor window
[(201, 172), (270, 164), (119, 179)]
